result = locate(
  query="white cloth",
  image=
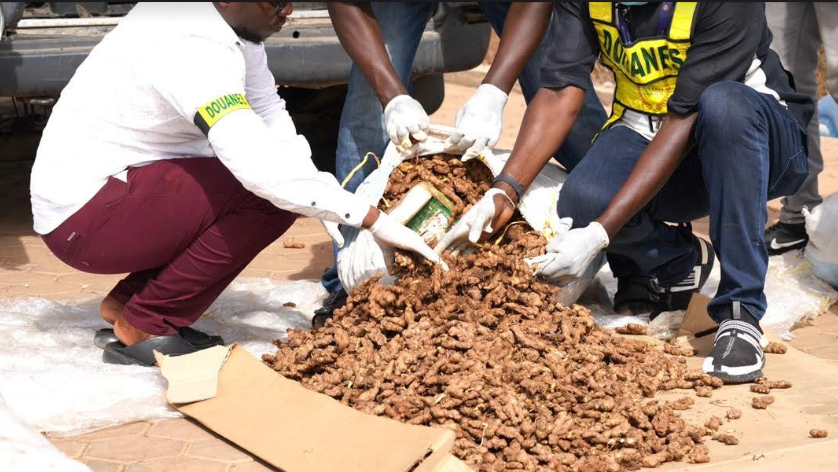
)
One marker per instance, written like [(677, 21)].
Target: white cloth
[(133, 102)]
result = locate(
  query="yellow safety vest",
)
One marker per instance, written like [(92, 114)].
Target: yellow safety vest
[(646, 70)]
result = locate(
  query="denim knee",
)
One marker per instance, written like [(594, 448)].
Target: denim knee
[(725, 109), (582, 200)]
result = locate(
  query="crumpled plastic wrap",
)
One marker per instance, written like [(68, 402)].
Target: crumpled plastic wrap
[(793, 291), (822, 250), (22, 449), (52, 376)]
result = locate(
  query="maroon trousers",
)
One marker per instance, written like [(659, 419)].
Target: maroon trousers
[(183, 228)]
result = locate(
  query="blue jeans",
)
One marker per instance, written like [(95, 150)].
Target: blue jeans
[(361, 123), (748, 149)]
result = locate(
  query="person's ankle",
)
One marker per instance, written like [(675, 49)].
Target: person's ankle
[(128, 334), (110, 309), (743, 315)]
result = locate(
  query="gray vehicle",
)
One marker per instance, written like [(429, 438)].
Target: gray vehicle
[(43, 43)]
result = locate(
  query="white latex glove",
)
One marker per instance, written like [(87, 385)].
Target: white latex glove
[(570, 254), (472, 225), (389, 234), (480, 121), (334, 232), (404, 118)]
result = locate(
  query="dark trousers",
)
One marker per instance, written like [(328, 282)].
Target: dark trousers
[(748, 149), (183, 229)]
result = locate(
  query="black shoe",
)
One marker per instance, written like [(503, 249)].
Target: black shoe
[(334, 301), (737, 355), (784, 237), (636, 294), (677, 297)]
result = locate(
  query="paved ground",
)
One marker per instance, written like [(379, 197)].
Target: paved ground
[(28, 268)]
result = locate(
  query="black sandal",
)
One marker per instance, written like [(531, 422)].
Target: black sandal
[(199, 339), (142, 353)]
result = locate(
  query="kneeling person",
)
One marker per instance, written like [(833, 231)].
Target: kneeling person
[(170, 156), (705, 121)]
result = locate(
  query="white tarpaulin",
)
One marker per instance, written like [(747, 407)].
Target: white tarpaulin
[(52, 376)]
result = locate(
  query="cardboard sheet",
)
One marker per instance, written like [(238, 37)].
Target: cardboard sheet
[(696, 320), (776, 438), (318, 434), (297, 430)]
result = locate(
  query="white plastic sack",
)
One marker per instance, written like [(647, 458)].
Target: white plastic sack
[(53, 378), (22, 449), (822, 250), (361, 258)]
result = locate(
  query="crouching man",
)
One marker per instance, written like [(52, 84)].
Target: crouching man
[(171, 157), (705, 121)]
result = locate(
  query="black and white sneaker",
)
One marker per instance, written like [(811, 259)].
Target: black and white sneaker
[(677, 297), (784, 237), (737, 355)]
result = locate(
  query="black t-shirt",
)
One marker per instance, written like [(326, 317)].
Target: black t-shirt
[(726, 39)]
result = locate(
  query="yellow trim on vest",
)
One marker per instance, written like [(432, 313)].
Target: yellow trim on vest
[(646, 71), (601, 11), (682, 21)]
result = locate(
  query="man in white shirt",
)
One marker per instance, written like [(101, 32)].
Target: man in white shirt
[(171, 156)]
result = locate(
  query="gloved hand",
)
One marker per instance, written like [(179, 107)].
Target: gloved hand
[(476, 222), (480, 121), (389, 234), (404, 118), (334, 232), (569, 254)]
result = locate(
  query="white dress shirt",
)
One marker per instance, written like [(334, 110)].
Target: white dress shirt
[(133, 101)]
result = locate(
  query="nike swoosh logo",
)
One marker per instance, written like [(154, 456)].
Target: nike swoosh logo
[(776, 245)]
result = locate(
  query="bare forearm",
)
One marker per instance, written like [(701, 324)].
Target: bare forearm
[(359, 33), (523, 30), (656, 164), (546, 124)]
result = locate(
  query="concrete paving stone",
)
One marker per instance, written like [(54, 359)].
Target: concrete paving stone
[(177, 464), (52, 268), (254, 466), (71, 449), (103, 466), (33, 241), (17, 277), (299, 274), (101, 289), (49, 288), (82, 278), (268, 262), (180, 429), (123, 431), (219, 450), (257, 273), (25, 254), (10, 242), (13, 229), (134, 448)]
